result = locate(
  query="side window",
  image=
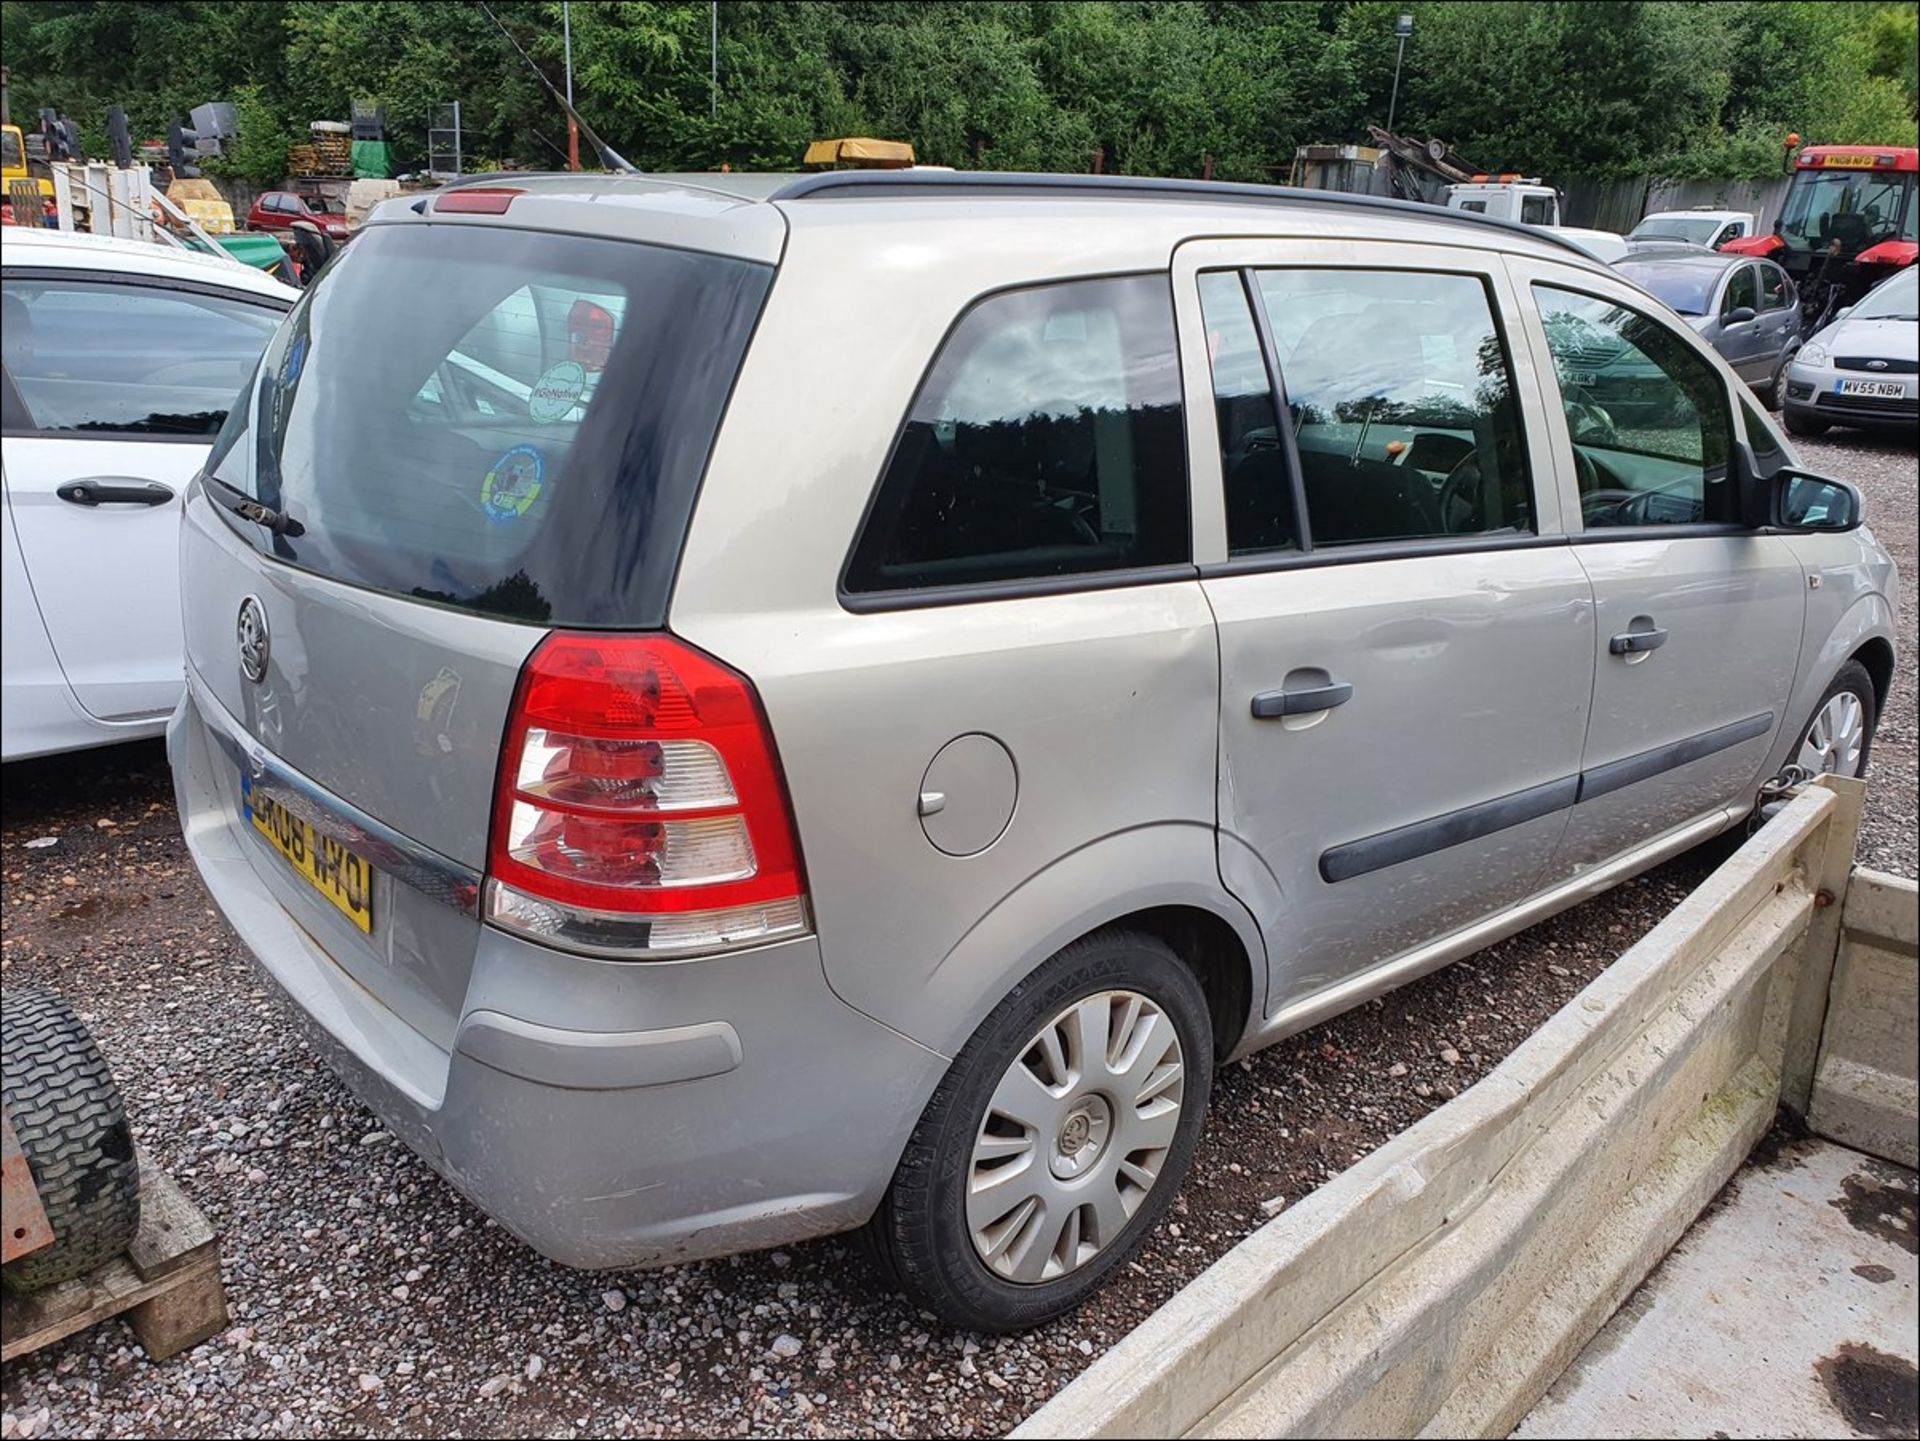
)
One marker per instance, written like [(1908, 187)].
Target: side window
[(277, 204), (1741, 291), (111, 359), (1773, 288), (1478, 207), (1536, 210), (1045, 441), (1253, 460), (1401, 402), (1648, 417)]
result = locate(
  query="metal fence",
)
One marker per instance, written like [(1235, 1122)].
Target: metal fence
[(1619, 204)]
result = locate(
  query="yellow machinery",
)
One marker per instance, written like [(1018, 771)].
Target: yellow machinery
[(858, 154)]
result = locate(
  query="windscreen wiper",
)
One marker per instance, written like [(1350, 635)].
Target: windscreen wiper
[(249, 509)]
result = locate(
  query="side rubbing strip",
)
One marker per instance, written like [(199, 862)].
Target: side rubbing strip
[(1422, 838), (1389, 848), (1615, 774)]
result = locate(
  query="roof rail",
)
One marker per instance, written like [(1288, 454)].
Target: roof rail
[(481, 177), (995, 182)]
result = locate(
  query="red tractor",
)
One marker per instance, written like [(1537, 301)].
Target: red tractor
[(1851, 218)]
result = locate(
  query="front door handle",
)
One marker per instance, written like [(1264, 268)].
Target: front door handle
[(1302, 700), (115, 490), (1637, 642)]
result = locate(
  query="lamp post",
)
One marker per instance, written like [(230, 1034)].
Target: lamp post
[(573, 126), (1403, 29)]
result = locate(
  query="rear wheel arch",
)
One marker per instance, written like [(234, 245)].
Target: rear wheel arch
[(1166, 872), (1219, 959)]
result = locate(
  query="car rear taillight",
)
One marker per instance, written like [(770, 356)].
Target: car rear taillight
[(640, 809)]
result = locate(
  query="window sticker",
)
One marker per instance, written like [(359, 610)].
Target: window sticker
[(513, 483), (557, 392)]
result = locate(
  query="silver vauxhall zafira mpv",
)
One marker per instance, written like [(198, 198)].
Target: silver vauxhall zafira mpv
[(747, 707)]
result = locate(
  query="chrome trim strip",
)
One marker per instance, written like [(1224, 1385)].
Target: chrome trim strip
[(398, 856)]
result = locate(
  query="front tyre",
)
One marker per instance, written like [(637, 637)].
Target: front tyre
[(1838, 737), (1056, 1141)]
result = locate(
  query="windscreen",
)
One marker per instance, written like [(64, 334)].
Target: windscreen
[(1894, 299), (508, 421), (1696, 231), (1858, 208)]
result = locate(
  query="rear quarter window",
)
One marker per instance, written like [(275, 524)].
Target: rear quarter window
[(1045, 442)]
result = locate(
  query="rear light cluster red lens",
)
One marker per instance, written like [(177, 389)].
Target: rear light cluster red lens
[(640, 806)]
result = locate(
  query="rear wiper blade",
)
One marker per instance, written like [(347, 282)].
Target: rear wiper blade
[(247, 508)]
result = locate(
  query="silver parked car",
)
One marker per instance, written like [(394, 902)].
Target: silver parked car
[(742, 708), (1746, 309), (1864, 368)]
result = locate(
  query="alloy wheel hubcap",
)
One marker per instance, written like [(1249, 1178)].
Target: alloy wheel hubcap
[(1075, 1137), (1836, 740)]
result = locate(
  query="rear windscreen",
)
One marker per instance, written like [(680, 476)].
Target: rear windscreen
[(503, 420)]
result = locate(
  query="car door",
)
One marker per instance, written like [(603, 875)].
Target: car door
[(1699, 619), (1405, 637), (1779, 315), (114, 387), (1742, 342)]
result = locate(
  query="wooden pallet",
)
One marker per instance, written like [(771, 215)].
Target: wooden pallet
[(167, 1283)]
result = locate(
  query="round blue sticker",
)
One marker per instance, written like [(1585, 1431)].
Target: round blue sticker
[(513, 483)]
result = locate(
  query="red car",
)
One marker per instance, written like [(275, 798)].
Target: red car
[(278, 209)]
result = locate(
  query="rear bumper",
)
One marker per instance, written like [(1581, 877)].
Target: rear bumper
[(607, 1113)]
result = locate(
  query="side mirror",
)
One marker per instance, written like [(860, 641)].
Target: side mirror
[(1739, 315), (1807, 502), (1789, 498)]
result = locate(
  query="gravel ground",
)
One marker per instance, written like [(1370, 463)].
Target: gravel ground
[(368, 1299), (1886, 475)]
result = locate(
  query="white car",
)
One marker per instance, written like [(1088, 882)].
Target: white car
[(121, 361), (1864, 368), (1605, 246)]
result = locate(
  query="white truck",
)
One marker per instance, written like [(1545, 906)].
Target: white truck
[(1507, 197), (1711, 228)]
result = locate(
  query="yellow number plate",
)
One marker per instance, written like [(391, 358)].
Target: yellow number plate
[(323, 863), (1848, 162)]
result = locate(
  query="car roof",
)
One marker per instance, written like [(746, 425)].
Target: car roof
[(751, 214), (74, 250), (1695, 212)]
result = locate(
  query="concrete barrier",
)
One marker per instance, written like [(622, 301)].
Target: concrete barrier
[(1866, 1088), (1440, 1285)]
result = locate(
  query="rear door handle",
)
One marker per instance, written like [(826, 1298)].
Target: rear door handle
[(1304, 700), (115, 490), (1637, 642)]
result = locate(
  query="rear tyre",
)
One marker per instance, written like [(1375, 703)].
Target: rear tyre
[(66, 1112), (1056, 1141), (1807, 425)]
